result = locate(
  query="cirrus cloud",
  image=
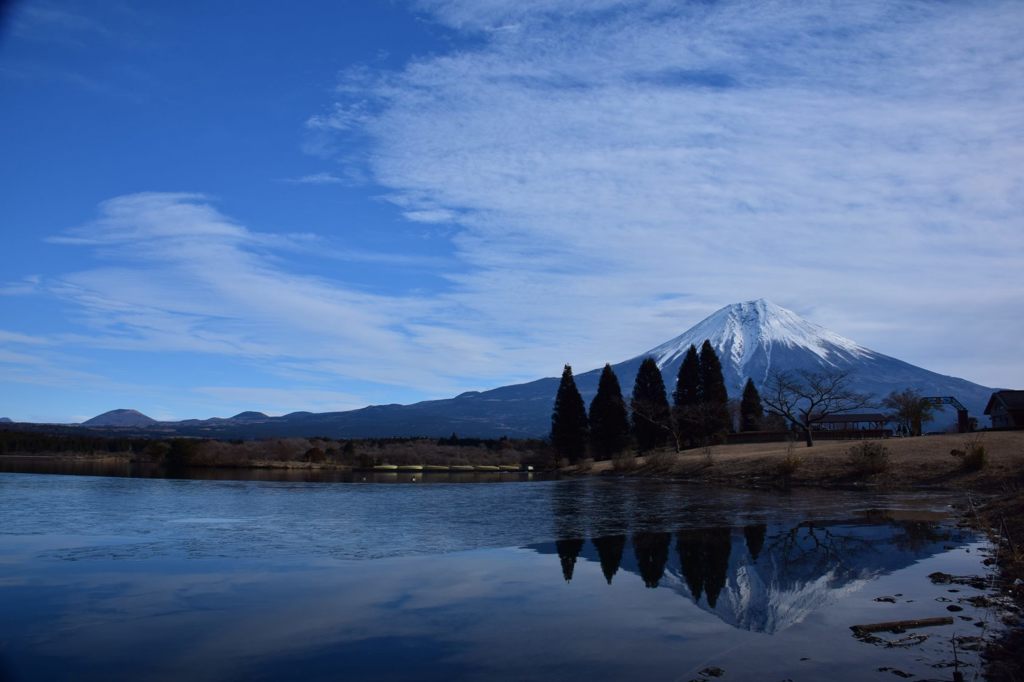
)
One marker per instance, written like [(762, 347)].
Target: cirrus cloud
[(615, 170)]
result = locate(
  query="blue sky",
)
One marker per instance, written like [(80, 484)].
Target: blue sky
[(209, 207)]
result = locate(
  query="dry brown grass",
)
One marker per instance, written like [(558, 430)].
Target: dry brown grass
[(914, 462)]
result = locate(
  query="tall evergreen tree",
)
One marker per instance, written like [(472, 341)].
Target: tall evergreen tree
[(609, 421), (652, 419), (751, 410), (687, 398), (569, 420), (714, 397)]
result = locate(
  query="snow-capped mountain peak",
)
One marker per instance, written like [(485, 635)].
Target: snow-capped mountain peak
[(746, 335)]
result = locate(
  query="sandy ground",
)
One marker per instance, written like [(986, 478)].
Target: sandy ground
[(919, 462)]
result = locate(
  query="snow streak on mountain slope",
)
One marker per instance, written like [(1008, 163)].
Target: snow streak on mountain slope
[(754, 339), (744, 334)]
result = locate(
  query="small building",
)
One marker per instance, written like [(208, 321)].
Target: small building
[(1006, 408), (853, 422)]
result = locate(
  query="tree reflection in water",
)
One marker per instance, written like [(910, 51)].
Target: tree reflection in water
[(754, 536), (704, 556), (651, 551), (569, 528), (568, 552), (756, 576), (609, 552)]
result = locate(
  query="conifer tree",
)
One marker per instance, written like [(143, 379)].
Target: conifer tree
[(686, 398), (714, 397), (652, 419), (609, 421), (569, 420), (751, 410)]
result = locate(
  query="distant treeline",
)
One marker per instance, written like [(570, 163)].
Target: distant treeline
[(32, 442), (179, 452)]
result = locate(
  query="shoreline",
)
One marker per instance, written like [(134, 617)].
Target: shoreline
[(994, 491), (920, 464)]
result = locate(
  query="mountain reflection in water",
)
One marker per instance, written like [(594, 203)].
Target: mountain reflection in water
[(136, 578), (761, 577)]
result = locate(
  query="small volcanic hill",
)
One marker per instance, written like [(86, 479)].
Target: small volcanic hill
[(121, 418)]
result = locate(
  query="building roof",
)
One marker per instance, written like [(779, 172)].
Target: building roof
[(872, 417), (1010, 400)]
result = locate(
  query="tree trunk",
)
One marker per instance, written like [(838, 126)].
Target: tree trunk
[(807, 433)]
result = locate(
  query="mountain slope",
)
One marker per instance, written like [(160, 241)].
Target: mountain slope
[(755, 338), (121, 418), (752, 339)]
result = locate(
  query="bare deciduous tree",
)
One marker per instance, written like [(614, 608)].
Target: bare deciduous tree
[(808, 398), (909, 410)]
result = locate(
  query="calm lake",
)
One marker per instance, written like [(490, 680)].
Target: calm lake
[(105, 578)]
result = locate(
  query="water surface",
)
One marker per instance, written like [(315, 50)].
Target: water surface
[(128, 579)]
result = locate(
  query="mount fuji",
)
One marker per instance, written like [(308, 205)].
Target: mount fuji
[(752, 339), (755, 338)]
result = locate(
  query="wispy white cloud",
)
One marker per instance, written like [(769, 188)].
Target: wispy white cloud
[(39, 361), (24, 286), (278, 401), (863, 165), (183, 277), (9, 337), (317, 179), (47, 21)]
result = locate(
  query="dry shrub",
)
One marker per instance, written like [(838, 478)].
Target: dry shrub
[(708, 455), (869, 458), (625, 462), (789, 464), (662, 460), (973, 456)]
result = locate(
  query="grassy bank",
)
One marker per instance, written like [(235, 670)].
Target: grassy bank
[(908, 463)]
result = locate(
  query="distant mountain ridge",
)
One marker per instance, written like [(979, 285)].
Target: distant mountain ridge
[(121, 417), (752, 339)]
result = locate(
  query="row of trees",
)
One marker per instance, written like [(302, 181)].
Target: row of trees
[(699, 414), (700, 410), (703, 556)]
